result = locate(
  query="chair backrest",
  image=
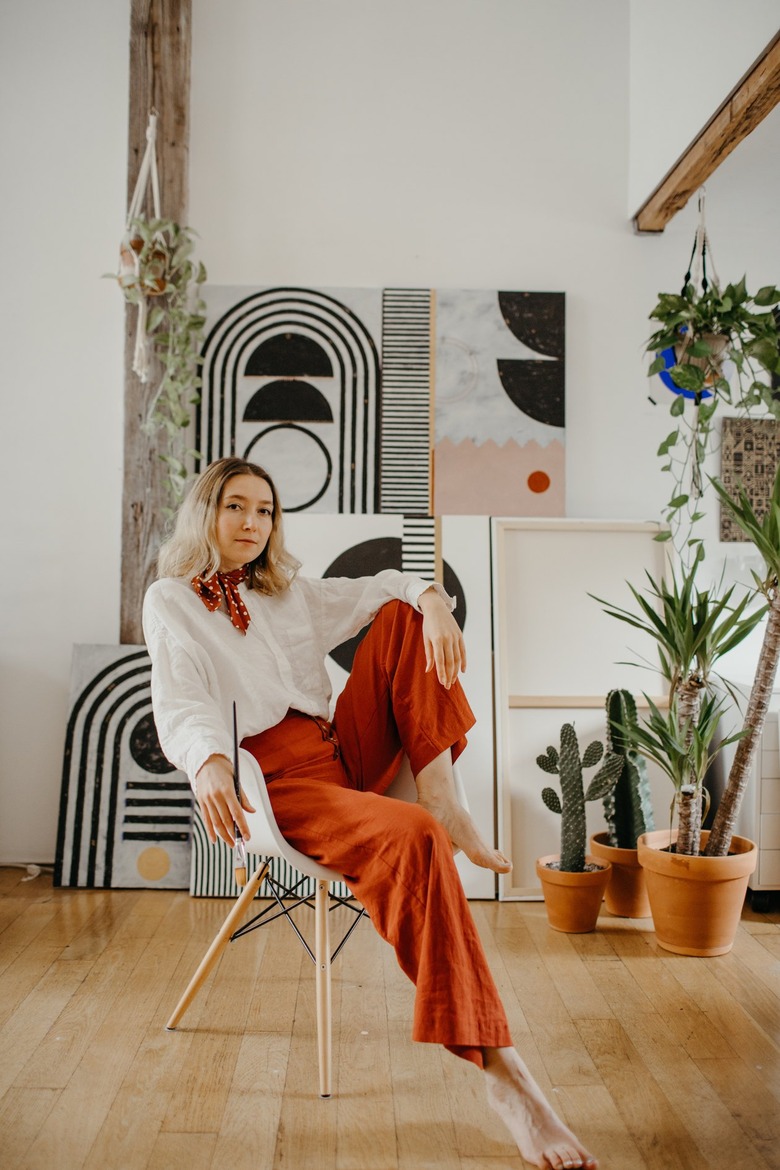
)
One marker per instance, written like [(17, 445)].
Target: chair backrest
[(264, 833)]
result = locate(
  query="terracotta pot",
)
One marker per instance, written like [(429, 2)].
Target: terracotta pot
[(696, 902), (572, 900), (626, 895)]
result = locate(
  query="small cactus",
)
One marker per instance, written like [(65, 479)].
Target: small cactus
[(628, 808), (571, 804)]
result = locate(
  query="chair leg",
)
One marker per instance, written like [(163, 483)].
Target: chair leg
[(322, 986), (220, 942)]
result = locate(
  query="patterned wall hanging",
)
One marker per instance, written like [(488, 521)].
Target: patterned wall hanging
[(124, 810), (446, 402), (749, 455)]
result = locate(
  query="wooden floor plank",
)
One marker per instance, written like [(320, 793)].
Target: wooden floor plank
[(22, 1112), (744, 1093), (706, 1118), (247, 1135), (654, 1125)]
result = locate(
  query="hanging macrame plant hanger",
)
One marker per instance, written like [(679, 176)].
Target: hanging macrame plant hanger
[(130, 273)]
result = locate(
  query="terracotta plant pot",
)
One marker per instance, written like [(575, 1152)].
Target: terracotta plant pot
[(572, 900), (626, 895), (696, 902)]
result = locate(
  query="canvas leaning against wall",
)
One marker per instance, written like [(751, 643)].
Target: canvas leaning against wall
[(445, 402)]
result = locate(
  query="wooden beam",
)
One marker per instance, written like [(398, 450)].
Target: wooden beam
[(160, 49), (748, 104)]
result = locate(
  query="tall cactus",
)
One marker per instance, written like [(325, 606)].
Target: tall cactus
[(571, 804), (628, 808)]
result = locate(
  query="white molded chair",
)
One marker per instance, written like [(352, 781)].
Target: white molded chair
[(267, 841)]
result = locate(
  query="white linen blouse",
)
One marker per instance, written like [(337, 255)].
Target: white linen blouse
[(201, 663)]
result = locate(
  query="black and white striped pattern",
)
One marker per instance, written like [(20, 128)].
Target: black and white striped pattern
[(418, 546), (406, 401), (212, 874)]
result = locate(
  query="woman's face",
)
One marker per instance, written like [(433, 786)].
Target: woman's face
[(245, 517)]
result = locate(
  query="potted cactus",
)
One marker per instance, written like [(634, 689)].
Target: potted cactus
[(573, 882), (628, 811)]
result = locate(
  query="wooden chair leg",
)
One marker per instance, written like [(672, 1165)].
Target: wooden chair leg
[(220, 942), (322, 986)]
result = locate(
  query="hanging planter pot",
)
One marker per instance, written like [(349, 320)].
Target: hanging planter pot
[(696, 902), (711, 363)]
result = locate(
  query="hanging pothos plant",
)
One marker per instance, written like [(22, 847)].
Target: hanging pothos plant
[(698, 330), (158, 273)]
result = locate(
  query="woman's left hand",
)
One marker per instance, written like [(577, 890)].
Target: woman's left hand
[(444, 646)]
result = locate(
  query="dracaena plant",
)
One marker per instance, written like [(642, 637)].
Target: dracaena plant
[(684, 751), (692, 629)]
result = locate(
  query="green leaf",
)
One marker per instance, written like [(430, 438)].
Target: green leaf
[(656, 366), (678, 406), (668, 442), (688, 377), (768, 295)]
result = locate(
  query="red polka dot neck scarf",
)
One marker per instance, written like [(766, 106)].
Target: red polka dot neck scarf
[(219, 586)]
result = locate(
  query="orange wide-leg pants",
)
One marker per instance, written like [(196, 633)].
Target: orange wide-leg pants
[(325, 784)]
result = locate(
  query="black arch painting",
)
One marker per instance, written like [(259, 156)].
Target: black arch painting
[(536, 387), (114, 710), (371, 556), (288, 400), (289, 355), (297, 333)]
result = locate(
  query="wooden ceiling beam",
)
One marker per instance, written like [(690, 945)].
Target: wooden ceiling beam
[(748, 104)]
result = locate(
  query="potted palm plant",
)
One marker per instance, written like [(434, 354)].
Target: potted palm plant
[(628, 811), (573, 883)]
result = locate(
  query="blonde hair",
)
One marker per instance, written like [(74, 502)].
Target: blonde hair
[(193, 551)]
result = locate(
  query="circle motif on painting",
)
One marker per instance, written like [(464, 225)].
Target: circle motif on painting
[(298, 460), (538, 482), (145, 747)]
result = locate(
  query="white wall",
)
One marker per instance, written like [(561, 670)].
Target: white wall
[(460, 143), (63, 113)]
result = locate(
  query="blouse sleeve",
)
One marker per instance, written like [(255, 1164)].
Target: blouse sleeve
[(190, 725), (346, 604)]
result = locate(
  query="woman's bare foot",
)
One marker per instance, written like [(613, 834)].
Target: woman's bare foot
[(436, 792), (541, 1136)]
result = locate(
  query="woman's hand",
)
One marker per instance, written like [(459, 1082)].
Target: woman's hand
[(218, 801), (444, 645)]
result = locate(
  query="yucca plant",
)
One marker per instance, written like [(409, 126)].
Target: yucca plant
[(683, 750), (692, 629), (765, 535)]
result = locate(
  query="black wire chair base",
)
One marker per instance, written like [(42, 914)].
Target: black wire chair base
[(278, 909)]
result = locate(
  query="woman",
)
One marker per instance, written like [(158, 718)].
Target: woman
[(230, 620)]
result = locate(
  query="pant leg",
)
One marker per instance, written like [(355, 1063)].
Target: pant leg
[(390, 705), (398, 862)]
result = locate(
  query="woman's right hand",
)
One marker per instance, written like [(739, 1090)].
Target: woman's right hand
[(218, 801)]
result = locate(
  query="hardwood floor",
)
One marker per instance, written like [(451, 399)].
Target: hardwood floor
[(659, 1062)]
